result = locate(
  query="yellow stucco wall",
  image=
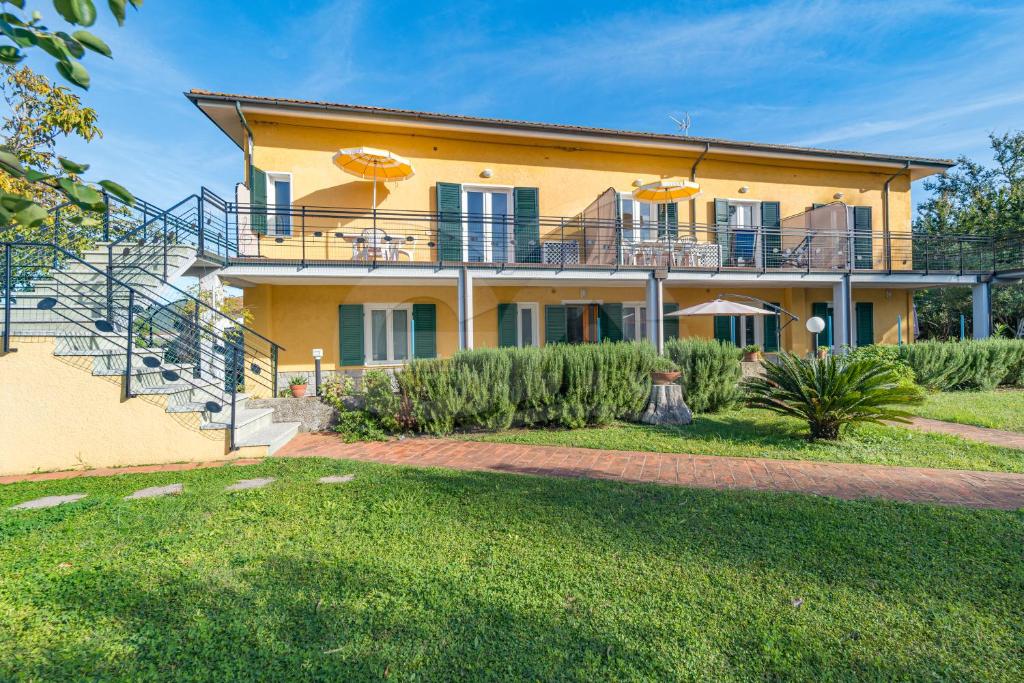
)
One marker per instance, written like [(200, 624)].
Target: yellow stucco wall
[(569, 179), (58, 416)]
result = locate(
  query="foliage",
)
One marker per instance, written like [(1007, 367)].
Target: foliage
[(359, 425), (558, 385), (26, 179), (973, 364), (298, 381), (888, 356), (711, 372), (381, 400), (830, 392), (752, 348)]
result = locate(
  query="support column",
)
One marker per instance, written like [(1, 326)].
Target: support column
[(842, 305), (655, 321), (465, 295), (981, 299), (213, 286)]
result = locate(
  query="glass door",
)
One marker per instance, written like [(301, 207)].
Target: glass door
[(488, 227), (744, 230)]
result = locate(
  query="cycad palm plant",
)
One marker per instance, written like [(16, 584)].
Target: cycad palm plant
[(830, 392)]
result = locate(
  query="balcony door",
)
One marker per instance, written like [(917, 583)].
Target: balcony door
[(744, 219), (487, 225), (639, 219)]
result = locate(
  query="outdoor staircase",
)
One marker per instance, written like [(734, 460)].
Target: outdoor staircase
[(115, 310)]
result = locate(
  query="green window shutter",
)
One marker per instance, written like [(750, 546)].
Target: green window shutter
[(668, 221), (722, 225), (554, 324), (611, 321), (865, 323), (771, 222), (424, 331), (258, 200), (350, 334), (508, 325), (723, 328), (526, 205), (771, 331), (862, 247), (449, 222), (671, 329), (819, 309)]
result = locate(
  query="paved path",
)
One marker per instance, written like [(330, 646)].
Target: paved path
[(995, 437), (949, 487)]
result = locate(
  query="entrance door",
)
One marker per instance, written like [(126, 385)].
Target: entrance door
[(744, 229), (581, 323), (488, 227)]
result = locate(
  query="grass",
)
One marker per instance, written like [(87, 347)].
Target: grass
[(753, 433), (999, 409), (443, 575)]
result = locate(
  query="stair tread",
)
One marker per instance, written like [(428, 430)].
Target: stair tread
[(269, 434), (243, 416)]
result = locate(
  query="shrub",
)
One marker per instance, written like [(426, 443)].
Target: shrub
[(831, 392), (381, 401), (359, 425), (890, 357), (982, 364), (711, 372)]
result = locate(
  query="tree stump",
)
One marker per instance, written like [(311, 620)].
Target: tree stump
[(667, 406)]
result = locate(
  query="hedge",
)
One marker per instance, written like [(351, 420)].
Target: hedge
[(981, 364), (711, 372), (558, 385)]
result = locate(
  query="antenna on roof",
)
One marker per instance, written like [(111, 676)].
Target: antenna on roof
[(683, 122)]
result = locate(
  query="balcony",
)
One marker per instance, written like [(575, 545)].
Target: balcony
[(306, 235)]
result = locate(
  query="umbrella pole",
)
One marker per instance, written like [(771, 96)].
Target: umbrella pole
[(375, 202)]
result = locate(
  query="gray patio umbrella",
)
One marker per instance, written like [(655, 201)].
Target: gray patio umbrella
[(720, 307)]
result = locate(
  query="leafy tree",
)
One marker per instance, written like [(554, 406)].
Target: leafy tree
[(830, 392), (974, 199), (22, 29)]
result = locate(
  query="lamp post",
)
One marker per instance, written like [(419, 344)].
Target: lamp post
[(317, 355), (815, 326)]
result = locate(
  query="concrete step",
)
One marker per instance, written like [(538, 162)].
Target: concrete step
[(247, 420), (273, 436)]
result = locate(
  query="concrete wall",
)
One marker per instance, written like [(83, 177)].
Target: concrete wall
[(56, 416)]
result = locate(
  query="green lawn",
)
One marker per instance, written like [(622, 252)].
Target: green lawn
[(1000, 409), (757, 433), (442, 575)]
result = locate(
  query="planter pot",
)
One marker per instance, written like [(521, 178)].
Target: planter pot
[(822, 353), (665, 377), (298, 390), (752, 357)]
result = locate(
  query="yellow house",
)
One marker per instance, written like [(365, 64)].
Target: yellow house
[(517, 233)]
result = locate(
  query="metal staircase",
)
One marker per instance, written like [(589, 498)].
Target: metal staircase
[(114, 307)]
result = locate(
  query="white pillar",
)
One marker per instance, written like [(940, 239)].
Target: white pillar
[(981, 299), (465, 295), (213, 364), (842, 304), (655, 321)]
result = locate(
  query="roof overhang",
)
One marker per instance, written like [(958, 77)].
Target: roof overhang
[(222, 110)]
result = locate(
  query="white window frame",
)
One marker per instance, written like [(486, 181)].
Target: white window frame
[(488, 190), (755, 219), (534, 308), (272, 178), (638, 321), (389, 331), (634, 232)]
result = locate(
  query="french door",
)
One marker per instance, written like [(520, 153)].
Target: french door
[(487, 228)]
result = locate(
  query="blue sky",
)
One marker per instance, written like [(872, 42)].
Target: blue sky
[(927, 78)]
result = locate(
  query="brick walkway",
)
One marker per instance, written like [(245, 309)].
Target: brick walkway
[(948, 487), (994, 437)]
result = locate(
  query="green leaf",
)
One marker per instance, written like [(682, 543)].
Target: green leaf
[(20, 4), (117, 8), (33, 214), (10, 163), (22, 36), (54, 46), (81, 194), (85, 12), (10, 54), (118, 191), (74, 72), (13, 202), (34, 176), (72, 166), (92, 42), (136, 3), (65, 9), (74, 47), (11, 19)]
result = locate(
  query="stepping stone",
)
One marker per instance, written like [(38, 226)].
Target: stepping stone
[(48, 502), (154, 491), (344, 479), (246, 484)]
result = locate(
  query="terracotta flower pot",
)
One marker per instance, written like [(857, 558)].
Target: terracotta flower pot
[(752, 357), (665, 377), (298, 390)]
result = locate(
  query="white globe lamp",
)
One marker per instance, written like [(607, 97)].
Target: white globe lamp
[(815, 326)]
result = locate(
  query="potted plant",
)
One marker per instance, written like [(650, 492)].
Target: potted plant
[(298, 385), (665, 372), (823, 351), (751, 353)]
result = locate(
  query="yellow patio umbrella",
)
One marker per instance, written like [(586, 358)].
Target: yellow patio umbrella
[(666, 191), (373, 164)]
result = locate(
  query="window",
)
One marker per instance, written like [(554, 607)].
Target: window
[(388, 331), (743, 224), (581, 323), (634, 322), (488, 224), (279, 197), (639, 219), (526, 325)]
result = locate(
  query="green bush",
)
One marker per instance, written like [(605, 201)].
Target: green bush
[(888, 356), (560, 385), (359, 425), (381, 400), (970, 365), (711, 372)]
